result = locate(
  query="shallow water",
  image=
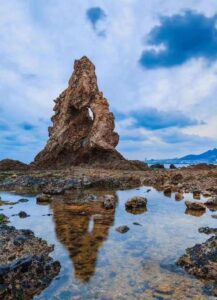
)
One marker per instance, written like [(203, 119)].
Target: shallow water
[(97, 262)]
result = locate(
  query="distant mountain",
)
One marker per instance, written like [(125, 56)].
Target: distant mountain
[(209, 156)]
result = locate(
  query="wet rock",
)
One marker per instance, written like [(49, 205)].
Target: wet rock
[(214, 216), (23, 200), (164, 289), (109, 202), (195, 206), (196, 194), (24, 260), (168, 191), (122, 229), (44, 198), (200, 260), (137, 224), (172, 167), (195, 213), (208, 230), (3, 219), (179, 196), (207, 194), (212, 201), (136, 205), (23, 214)]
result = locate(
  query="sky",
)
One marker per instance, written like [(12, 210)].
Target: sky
[(156, 63)]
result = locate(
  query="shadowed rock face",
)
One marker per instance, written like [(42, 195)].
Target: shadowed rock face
[(83, 126)]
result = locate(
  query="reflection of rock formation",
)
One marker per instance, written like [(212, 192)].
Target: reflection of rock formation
[(82, 229)]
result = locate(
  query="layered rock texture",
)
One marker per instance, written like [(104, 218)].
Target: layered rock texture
[(83, 126)]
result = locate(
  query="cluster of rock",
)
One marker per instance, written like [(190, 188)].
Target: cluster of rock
[(25, 265)]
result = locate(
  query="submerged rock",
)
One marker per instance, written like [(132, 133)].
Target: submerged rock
[(23, 214), (25, 266), (136, 205), (122, 229)]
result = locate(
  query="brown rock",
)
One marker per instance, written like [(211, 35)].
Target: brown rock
[(136, 205), (212, 201), (44, 198), (179, 196), (83, 126), (10, 164), (109, 202), (195, 205)]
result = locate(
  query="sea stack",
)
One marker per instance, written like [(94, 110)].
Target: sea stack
[(83, 126)]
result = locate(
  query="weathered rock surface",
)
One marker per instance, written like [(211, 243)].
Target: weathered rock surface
[(109, 202), (207, 230), (195, 205), (136, 205), (122, 229), (25, 265), (83, 126), (12, 165), (201, 260)]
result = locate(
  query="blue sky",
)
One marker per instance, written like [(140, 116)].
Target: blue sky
[(156, 63)]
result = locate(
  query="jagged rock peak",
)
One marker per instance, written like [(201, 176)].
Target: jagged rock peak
[(83, 126)]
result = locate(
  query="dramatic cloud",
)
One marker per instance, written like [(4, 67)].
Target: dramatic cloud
[(179, 38), (151, 118), (94, 15)]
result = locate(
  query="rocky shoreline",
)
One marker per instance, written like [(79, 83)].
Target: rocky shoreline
[(201, 181), (25, 265)]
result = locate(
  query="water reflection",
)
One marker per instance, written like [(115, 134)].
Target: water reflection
[(82, 228)]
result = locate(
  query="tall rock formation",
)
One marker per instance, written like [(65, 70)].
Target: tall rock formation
[(83, 126)]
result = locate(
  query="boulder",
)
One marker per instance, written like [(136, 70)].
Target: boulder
[(44, 198), (195, 205), (136, 205), (212, 201)]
